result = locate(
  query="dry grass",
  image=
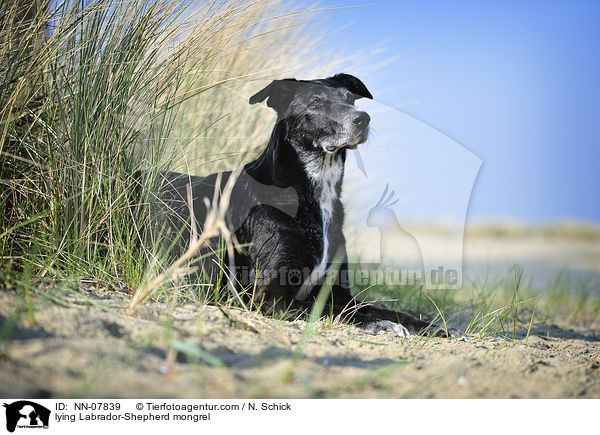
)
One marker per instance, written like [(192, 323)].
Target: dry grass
[(265, 42)]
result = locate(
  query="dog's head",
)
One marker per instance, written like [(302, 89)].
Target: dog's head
[(321, 113)]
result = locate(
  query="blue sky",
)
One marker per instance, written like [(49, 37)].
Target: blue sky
[(517, 83)]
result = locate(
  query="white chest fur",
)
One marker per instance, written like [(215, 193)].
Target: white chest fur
[(324, 175)]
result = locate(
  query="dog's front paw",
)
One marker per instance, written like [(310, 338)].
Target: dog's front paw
[(454, 332), (449, 333), (386, 325)]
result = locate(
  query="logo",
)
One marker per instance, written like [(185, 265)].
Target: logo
[(26, 414)]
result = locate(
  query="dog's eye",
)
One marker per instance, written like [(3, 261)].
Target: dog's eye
[(316, 102)]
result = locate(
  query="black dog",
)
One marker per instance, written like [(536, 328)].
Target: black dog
[(285, 208)]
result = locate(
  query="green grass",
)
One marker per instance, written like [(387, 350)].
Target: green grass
[(507, 306)]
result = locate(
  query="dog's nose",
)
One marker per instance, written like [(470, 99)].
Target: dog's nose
[(362, 120)]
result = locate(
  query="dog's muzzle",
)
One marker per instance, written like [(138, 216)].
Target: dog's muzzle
[(357, 131)]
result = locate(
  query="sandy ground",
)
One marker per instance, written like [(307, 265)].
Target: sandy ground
[(86, 347)]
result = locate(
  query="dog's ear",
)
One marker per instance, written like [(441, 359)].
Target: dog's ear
[(278, 93), (353, 84)]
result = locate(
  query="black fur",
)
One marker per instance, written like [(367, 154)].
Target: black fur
[(276, 208)]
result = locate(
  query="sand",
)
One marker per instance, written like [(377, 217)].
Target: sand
[(85, 346)]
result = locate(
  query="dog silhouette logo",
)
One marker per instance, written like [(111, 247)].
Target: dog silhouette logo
[(397, 247), (26, 414)]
